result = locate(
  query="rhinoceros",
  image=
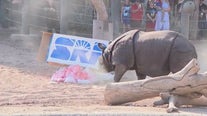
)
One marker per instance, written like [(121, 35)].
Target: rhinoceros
[(154, 53)]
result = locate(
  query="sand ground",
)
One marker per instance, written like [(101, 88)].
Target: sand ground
[(26, 89)]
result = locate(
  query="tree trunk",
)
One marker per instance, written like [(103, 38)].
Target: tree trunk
[(101, 10), (185, 83)]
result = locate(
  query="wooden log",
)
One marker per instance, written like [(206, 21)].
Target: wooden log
[(182, 83), (175, 101)]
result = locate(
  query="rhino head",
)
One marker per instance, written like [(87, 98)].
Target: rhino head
[(106, 58)]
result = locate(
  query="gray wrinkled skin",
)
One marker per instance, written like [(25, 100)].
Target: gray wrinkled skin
[(155, 53)]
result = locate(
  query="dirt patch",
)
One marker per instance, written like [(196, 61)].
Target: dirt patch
[(25, 88)]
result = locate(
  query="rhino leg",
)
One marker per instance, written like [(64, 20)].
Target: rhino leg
[(120, 69), (140, 76)]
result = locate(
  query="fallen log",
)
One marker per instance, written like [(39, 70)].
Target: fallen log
[(185, 83), (175, 101)]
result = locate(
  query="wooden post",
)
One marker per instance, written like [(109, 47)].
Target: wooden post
[(185, 25), (194, 22), (25, 17), (63, 17), (115, 16), (188, 9)]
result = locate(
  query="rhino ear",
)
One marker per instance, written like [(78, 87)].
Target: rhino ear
[(101, 46)]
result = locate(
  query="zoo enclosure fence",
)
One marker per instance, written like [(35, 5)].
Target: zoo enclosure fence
[(80, 21)]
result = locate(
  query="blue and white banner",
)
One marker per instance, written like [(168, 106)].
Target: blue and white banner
[(66, 49)]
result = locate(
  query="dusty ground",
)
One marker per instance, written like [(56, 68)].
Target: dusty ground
[(25, 88)]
